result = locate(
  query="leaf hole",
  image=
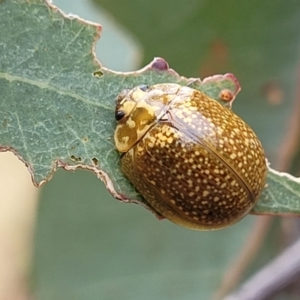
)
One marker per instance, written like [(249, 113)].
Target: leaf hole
[(95, 161), (98, 74), (75, 158)]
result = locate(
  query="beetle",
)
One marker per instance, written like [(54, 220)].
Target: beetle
[(193, 160)]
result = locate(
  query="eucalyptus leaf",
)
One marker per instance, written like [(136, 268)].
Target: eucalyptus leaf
[(57, 102), (281, 195)]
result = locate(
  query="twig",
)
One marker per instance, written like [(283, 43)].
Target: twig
[(282, 271)]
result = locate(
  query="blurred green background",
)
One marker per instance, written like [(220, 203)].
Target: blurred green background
[(90, 246)]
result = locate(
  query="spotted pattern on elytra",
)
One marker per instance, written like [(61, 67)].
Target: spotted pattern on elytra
[(197, 163)]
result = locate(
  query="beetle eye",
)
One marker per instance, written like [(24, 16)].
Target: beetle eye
[(119, 115), (144, 87)]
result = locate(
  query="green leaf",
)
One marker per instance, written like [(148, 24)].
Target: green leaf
[(57, 106), (58, 103), (281, 196)]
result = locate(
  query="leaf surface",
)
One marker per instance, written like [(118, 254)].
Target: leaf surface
[(58, 103)]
